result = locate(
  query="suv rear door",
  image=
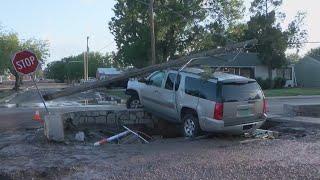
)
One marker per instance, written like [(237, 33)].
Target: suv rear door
[(242, 102)]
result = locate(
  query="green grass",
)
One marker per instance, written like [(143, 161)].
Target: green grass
[(292, 92)]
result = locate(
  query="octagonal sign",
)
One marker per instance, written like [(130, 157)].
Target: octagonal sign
[(25, 62)]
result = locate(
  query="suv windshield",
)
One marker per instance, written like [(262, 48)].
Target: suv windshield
[(234, 92)]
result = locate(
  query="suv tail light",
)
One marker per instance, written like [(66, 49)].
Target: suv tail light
[(218, 111), (265, 106)]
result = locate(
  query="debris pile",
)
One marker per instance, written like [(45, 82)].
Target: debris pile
[(120, 136), (262, 134)]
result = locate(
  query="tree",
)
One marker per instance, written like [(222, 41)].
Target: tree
[(314, 52), (273, 40), (181, 27), (293, 58), (10, 44), (70, 69)]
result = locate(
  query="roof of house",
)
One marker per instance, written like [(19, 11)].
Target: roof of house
[(108, 71), (231, 59)]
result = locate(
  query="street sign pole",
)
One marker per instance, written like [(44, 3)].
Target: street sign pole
[(26, 63), (40, 94)]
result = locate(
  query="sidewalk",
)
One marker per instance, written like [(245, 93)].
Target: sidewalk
[(294, 97), (295, 119)]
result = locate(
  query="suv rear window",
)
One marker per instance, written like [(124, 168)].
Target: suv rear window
[(234, 92), (201, 88)]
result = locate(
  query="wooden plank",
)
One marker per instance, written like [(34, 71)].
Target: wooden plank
[(138, 72)]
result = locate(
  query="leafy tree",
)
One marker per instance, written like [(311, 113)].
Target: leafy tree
[(293, 58), (10, 44), (181, 27), (314, 52), (70, 69), (273, 40)]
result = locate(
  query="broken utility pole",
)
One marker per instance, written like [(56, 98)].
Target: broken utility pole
[(173, 63)]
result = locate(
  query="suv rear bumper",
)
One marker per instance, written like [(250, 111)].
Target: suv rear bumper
[(212, 125)]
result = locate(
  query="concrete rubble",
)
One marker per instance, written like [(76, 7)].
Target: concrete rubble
[(80, 136)]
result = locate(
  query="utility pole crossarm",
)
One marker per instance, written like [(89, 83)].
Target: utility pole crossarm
[(138, 72)]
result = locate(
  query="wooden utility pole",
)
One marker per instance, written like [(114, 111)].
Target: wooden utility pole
[(87, 57), (84, 65), (138, 72), (153, 43)]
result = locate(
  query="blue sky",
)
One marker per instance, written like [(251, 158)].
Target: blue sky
[(66, 23)]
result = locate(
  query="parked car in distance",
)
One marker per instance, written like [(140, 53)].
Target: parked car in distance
[(218, 103), (90, 79)]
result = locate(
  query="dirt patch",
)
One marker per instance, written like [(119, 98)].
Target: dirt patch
[(27, 154)]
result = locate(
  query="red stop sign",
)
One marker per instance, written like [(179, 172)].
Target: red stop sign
[(25, 62)]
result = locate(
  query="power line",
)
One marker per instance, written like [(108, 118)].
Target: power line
[(311, 42)]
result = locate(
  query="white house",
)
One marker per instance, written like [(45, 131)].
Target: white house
[(104, 73), (248, 65)]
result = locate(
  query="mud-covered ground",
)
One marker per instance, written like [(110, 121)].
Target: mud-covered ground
[(294, 155)]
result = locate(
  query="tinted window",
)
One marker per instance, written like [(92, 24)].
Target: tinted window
[(170, 81), (192, 86), (200, 88), (208, 90), (233, 92), (156, 79)]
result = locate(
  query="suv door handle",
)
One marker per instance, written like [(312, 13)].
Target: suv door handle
[(156, 91)]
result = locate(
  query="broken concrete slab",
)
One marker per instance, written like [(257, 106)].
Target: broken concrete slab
[(53, 127), (302, 109), (80, 136), (56, 124)]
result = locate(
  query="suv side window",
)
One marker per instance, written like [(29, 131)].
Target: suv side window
[(156, 79), (192, 86), (170, 81), (208, 90), (201, 88)]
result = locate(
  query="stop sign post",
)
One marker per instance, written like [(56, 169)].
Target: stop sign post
[(26, 63)]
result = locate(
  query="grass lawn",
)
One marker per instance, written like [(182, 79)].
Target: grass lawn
[(292, 92)]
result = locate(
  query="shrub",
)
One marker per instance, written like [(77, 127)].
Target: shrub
[(264, 83), (279, 82)]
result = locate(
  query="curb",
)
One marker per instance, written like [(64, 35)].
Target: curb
[(9, 98), (310, 121), (293, 97)]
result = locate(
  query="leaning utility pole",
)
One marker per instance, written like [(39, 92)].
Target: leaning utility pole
[(138, 72), (153, 44)]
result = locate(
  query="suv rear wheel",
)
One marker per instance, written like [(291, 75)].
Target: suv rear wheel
[(133, 102), (191, 127)]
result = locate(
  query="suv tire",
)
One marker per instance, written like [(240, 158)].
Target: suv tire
[(190, 127), (133, 102)]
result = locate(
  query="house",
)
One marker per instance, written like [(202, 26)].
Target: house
[(247, 65), (308, 72), (104, 73)]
